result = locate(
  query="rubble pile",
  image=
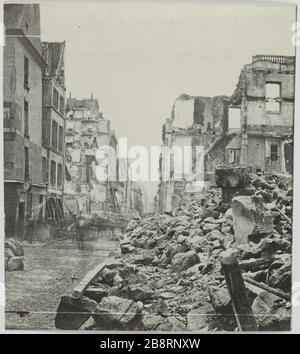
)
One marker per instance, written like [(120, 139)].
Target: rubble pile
[(14, 253), (170, 278)]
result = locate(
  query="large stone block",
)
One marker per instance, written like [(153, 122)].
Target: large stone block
[(232, 177), (14, 264), (249, 219), (271, 312), (72, 313), (15, 246), (117, 313), (183, 261)]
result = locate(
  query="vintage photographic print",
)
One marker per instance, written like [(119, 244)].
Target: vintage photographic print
[(148, 166)]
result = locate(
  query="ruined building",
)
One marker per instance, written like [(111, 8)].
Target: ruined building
[(53, 153), (195, 121), (25, 190), (253, 128), (264, 101)]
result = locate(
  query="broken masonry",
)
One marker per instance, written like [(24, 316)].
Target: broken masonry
[(169, 276)]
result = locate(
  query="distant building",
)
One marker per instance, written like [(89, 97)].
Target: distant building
[(53, 130), (264, 101), (24, 190), (86, 131)]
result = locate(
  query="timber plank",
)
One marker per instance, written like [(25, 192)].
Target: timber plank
[(88, 279)]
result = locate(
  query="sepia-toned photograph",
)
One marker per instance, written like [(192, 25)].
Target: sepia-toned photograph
[(148, 166)]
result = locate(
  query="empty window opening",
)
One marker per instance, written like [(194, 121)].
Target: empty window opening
[(273, 97), (234, 118)]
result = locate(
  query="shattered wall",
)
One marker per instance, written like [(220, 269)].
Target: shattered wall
[(195, 121), (210, 114), (183, 113), (265, 94)]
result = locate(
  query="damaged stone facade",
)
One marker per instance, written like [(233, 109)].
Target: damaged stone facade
[(195, 121), (265, 97), (254, 127)]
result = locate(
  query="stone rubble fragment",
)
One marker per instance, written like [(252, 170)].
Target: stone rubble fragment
[(117, 313), (72, 313), (14, 255), (272, 313), (249, 218)]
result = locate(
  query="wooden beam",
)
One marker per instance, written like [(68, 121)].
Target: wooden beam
[(88, 279), (238, 293), (265, 287)]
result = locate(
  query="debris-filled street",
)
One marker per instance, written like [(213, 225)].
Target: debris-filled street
[(170, 275)]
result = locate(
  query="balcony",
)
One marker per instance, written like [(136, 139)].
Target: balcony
[(276, 59)]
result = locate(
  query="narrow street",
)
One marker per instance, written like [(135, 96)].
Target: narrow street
[(46, 277)]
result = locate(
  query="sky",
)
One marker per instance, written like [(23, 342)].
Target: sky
[(137, 58)]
